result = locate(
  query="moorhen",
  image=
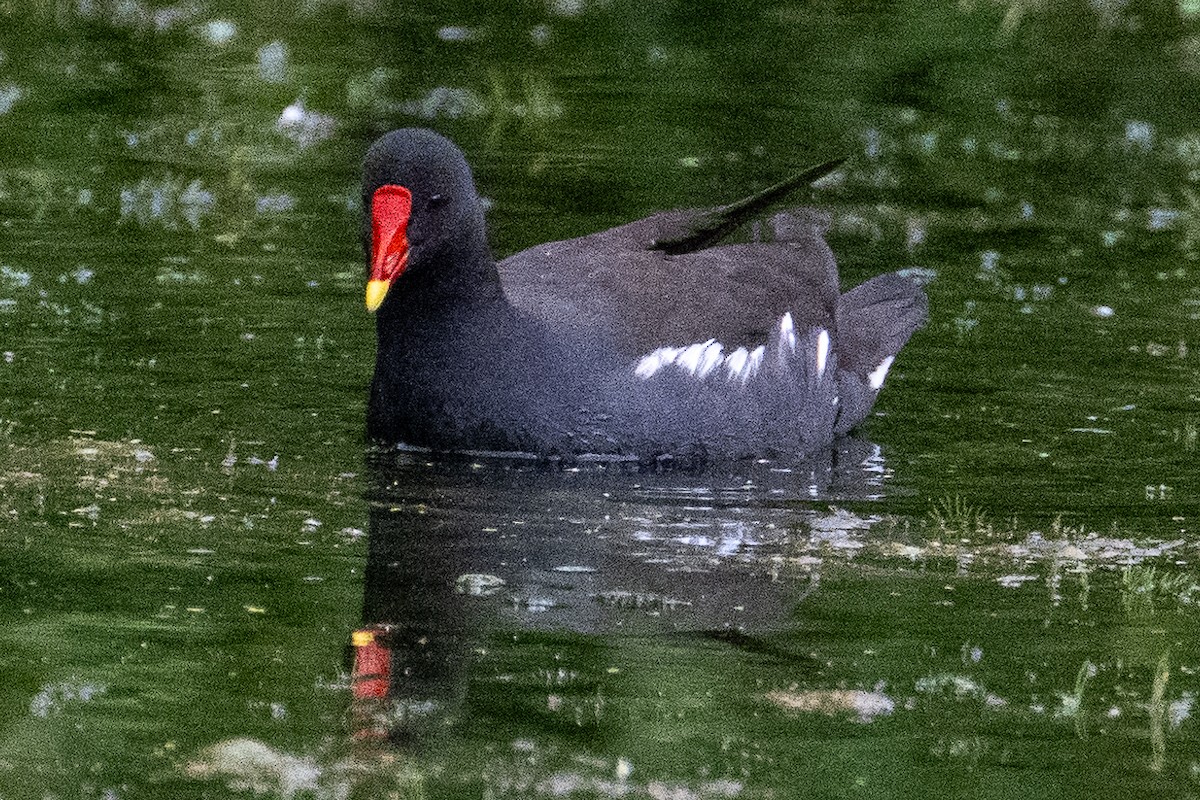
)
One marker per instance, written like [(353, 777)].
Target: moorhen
[(649, 340)]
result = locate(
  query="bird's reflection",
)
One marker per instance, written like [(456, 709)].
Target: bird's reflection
[(463, 549)]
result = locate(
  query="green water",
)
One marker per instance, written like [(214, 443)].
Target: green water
[(990, 592)]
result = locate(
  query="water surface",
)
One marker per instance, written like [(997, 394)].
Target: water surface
[(989, 591)]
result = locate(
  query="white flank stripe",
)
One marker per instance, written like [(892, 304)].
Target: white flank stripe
[(756, 357), (702, 358), (822, 351), (709, 359), (787, 331), (647, 366), (655, 361), (698, 359), (875, 379), (689, 359), (735, 362)]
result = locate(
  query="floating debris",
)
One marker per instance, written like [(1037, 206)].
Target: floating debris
[(457, 33), (53, 697), (273, 62), (479, 584), (959, 687), (864, 706), (246, 764), (447, 102), (1139, 135), (166, 202), (640, 601), (303, 126), (9, 95), (274, 203), (218, 32), (14, 278)]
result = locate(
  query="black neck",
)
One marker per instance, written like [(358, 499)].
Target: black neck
[(455, 284)]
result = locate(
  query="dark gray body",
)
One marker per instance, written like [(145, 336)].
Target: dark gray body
[(559, 349)]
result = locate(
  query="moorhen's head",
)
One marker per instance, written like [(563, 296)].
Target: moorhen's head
[(420, 210)]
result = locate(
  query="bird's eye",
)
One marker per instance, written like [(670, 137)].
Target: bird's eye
[(436, 201)]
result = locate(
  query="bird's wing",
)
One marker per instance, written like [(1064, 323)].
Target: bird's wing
[(703, 228), (632, 301), (664, 281)]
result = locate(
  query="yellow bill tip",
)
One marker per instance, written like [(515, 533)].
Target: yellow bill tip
[(375, 293)]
